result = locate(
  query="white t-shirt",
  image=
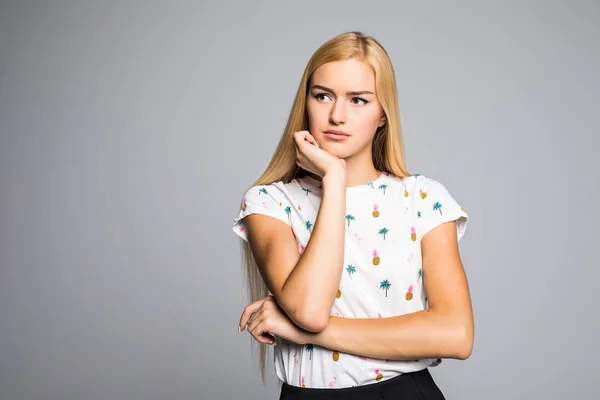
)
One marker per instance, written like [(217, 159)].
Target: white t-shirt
[(382, 275)]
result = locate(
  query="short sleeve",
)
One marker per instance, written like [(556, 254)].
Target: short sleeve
[(267, 200), (435, 206)]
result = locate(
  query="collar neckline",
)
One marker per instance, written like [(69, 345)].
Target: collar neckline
[(315, 183)]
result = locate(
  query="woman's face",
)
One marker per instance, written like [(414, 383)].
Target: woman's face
[(341, 97)]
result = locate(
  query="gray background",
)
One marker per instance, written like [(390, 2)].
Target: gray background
[(130, 130)]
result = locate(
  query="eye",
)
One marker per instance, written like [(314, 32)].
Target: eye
[(360, 99), (319, 96)]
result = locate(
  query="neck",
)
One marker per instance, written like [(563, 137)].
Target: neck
[(360, 171)]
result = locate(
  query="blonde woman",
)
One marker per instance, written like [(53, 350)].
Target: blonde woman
[(352, 318)]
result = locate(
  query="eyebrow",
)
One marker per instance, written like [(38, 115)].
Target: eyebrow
[(347, 93)]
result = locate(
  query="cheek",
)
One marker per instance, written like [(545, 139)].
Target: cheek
[(317, 116), (367, 124)]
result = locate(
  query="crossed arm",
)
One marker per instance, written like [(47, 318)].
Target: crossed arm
[(444, 330)]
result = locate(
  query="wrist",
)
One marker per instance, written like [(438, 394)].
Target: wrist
[(335, 177)]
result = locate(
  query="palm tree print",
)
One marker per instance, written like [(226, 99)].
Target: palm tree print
[(307, 191), (262, 190), (383, 187), (418, 214), (385, 285), (309, 226), (309, 348), (420, 275), (384, 231), (349, 218), (437, 207), (288, 210), (351, 269)]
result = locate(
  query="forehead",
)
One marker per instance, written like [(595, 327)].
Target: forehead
[(346, 75)]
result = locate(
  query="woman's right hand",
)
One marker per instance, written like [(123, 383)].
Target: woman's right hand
[(314, 159)]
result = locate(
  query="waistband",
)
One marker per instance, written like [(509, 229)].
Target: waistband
[(389, 383)]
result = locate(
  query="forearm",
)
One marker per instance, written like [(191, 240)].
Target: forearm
[(423, 334), (314, 280)]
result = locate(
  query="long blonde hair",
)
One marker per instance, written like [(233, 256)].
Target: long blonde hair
[(388, 153)]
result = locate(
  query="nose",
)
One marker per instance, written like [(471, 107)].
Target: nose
[(338, 113)]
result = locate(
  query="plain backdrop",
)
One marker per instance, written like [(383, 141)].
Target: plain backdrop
[(129, 131)]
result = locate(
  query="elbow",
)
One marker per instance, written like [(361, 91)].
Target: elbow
[(312, 321), (464, 342), (307, 317)]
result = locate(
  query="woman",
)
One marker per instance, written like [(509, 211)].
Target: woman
[(353, 263)]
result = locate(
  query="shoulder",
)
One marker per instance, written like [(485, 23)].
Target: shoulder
[(270, 200), (434, 204), (276, 192)]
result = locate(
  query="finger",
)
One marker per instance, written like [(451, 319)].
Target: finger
[(258, 330), (311, 139), (299, 136), (251, 308)]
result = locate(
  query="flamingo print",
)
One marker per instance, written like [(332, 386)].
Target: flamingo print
[(333, 382), (358, 238)]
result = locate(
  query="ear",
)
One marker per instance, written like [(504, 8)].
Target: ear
[(383, 119)]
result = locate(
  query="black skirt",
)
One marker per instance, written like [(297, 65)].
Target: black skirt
[(409, 386)]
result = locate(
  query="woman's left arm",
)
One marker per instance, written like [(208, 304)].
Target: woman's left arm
[(445, 330)]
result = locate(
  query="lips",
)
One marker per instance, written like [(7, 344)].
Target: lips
[(336, 135), (334, 132)]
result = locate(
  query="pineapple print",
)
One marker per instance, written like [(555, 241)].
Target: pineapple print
[(405, 191), (335, 356), (413, 234), (409, 293), (379, 375), (244, 206), (338, 294), (423, 194), (376, 258), (375, 211), (303, 384)]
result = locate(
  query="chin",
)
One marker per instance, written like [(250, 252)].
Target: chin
[(339, 153)]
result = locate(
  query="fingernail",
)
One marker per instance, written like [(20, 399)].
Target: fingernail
[(239, 329)]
